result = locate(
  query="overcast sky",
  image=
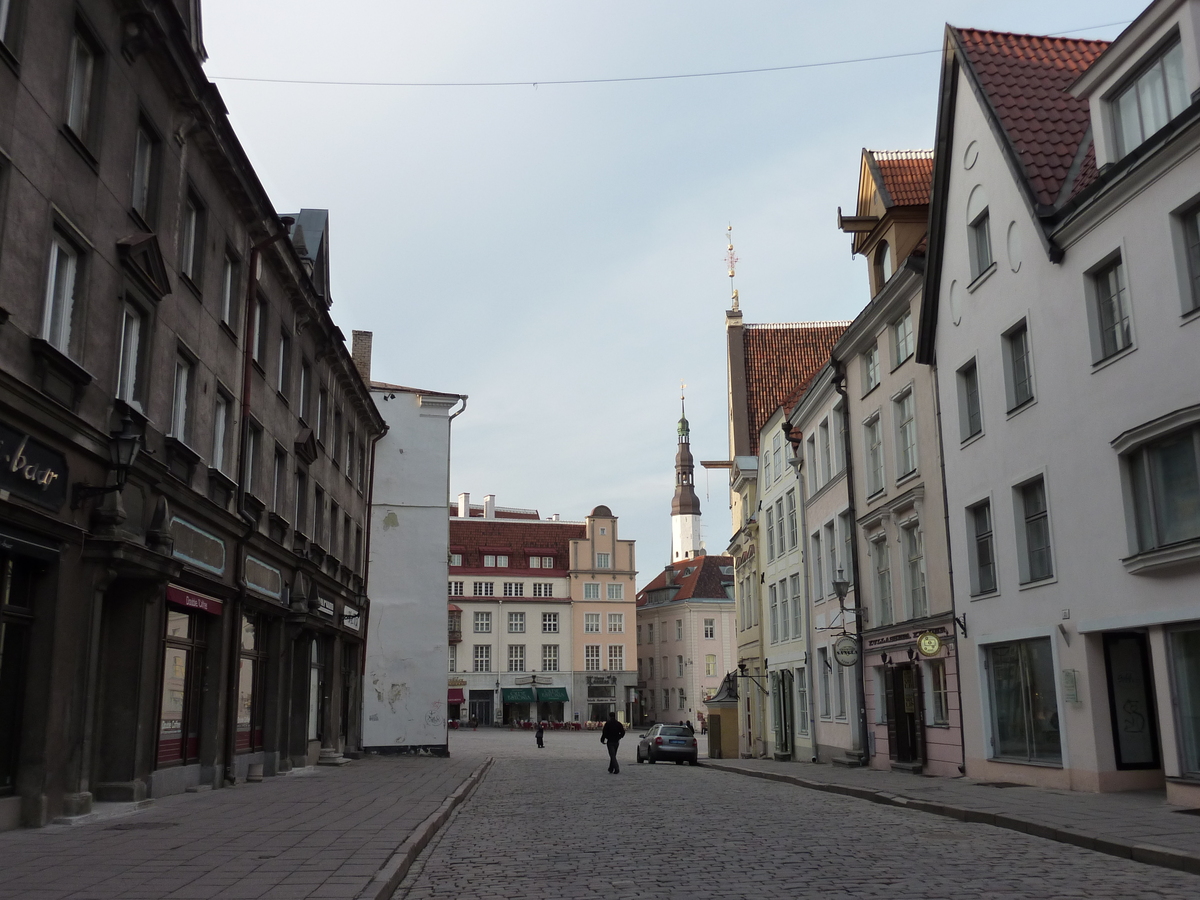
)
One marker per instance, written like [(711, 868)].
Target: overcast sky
[(556, 252)]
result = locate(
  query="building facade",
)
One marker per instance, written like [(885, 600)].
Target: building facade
[(514, 576), (1060, 308), (187, 442)]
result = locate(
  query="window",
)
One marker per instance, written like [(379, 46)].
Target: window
[(830, 547), (516, 623), (181, 397), (535, 562), (616, 657), (285, 364), (483, 658), (81, 86), (591, 623), (818, 568), (980, 241), (456, 588), (358, 549), (826, 672), (906, 435), (650, 667), (322, 415), (591, 590), (914, 553), (306, 380), (483, 623), (870, 361), (456, 559), (361, 471), (229, 285), (129, 354), (802, 700), (591, 658), (770, 533), (1165, 480), (666, 698), (766, 466), (847, 536), (616, 623), (1185, 658), (792, 534), (514, 589), (1018, 368), (616, 592), (549, 657), (335, 446), (550, 623), (1150, 101), (650, 633), (453, 657), (250, 686), (710, 629), (840, 697), (279, 483), (300, 519), (710, 665), (777, 455), (814, 469), (484, 588), (679, 629), (1191, 235), (516, 657), (983, 554), (1034, 537), (902, 339), (260, 334), (679, 666), (785, 622), (349, 451), (250, 463), (547, 562), (603, 561), (873, 438), (1021, 682), (939, 691), (970, 415), (145, 152), (773, 605), (60, 294), (682, 699), (1109, 318), (883, 264), (826, 460), (191, 240), (883, 580), (334, 521), (220, 429), (543, 589)]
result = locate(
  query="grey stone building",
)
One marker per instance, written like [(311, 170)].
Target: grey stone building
[(185, 440)]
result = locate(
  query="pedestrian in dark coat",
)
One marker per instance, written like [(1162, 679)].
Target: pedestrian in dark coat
[(540, 733), (688, 726), (611, 735)]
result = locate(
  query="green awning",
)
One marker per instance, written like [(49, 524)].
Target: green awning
[(552, 694), (517, 695)]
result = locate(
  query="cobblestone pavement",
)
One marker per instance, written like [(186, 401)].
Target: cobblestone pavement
[(319, 834), (552, 823)]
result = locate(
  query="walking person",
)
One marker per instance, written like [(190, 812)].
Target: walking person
[(611, 735), (540, 733)]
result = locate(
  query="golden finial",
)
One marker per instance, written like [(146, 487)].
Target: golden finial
[(731, 262)]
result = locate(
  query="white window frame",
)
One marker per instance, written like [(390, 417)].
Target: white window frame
[(1109, 313), (550, 623), (616, 623), (61, 293), (603, 560), (591, 590), (912, 542), (1165, 61), (902, 340), (1022, 519), (516, 622), (615, 591), (550, 657), (904, 414), (1019, 386), (591, 658), (970, 403), (591, 623), (817, 565), (481, 622), (870, 364), (882, 579), (129, 353), (516, 657), (977, 538), (710, 629), (616, 657), (710, 665), (481, 660), (181, 395), (873, 443), (81, 85)]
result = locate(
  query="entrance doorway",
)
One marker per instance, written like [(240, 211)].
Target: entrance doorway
[(479, 706), (903, 685), (1131, 700)]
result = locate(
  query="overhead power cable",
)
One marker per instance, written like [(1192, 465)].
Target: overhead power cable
[(568, 81)]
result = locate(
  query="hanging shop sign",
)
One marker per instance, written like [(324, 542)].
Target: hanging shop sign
[(31, 470), (192, 600), (351, 617), (845, 651), (929, 644), (325, 606)]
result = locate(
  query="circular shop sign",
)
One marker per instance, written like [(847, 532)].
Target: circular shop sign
[(929, 644), (845, 650)]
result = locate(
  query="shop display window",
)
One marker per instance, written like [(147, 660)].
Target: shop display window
[(178, 732)]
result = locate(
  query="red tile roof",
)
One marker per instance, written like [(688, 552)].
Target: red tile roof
[(1025, 78), (471, 536), (706, 581), (1087, 171), (780, 358), (907, 175)]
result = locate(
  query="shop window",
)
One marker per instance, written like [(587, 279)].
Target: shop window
[(1185, 655), (16, 619), (250, 678), (939, 692), (1024, 703), (178, 733)]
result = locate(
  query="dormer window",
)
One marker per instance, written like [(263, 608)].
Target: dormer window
[(1150, 100), (883, 264)]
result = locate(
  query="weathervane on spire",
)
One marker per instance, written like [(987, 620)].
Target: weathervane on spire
[(731, 261)]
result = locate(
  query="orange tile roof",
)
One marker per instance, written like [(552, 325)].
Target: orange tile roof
[(1025, 78), (779, 358), (697, 578), (907, 175)]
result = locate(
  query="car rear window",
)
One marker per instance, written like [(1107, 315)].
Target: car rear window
[(674, 730)]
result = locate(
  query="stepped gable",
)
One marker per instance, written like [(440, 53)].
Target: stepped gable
[(780, 357), (1026, 80)]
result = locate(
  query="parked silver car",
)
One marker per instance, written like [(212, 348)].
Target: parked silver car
[(668, 742)]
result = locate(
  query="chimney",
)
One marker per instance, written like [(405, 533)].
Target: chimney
[(554, 518), (489, 506), (464, 506), (360, 352)]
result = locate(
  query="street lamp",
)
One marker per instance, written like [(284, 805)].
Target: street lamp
[(840, 585), (123, 447)]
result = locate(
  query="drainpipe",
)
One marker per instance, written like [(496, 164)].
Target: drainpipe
[(839, 384), (962, 728), (249, 341)]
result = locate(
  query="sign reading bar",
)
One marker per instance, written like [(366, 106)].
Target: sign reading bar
[(845, 651), (31, 470), (190, 599)]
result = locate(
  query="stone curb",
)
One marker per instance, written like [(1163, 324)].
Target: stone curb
[(384, 883), (1164, 857)]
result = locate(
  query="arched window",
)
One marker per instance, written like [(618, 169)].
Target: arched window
[(883, 263)]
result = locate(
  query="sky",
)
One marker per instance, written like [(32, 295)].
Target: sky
[(556, 252)]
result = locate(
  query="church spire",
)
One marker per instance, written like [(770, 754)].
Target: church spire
[(685, 507)]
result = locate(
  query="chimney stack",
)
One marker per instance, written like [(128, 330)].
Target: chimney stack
[(464, 505), (489, 506), (360, 352)]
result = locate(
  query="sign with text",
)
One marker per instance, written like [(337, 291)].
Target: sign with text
[(192, 600), (31, 470), (845, 651)]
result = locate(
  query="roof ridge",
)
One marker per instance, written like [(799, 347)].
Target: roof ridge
[(829, 323), (1026, 34), (901, 154)]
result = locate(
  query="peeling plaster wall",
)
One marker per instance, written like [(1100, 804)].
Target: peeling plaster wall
[(404, 696)]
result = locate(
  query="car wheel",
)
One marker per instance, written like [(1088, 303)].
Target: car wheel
[(650, 758), (639, 756), (693, 762), (679, 762)]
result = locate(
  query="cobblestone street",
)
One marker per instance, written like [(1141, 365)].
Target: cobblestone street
[(554, 823)]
